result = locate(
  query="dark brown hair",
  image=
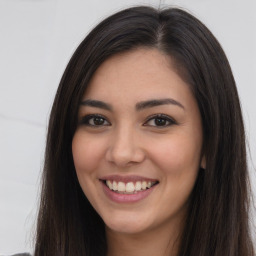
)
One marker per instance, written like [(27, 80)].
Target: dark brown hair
[(217, 222)]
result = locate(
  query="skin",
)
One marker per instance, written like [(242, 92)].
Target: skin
[(130, 142)]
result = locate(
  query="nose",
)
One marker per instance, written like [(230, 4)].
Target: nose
[(124, 148)]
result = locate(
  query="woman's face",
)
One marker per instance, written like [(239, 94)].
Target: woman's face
[(137, 148)]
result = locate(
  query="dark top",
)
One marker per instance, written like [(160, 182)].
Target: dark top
[(21, 254)]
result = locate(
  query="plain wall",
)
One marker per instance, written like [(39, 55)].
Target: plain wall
[(37, 38)]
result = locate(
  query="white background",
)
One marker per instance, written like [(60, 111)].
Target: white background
[(37, 38)]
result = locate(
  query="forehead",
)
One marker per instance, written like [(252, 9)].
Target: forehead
[(137, 75)]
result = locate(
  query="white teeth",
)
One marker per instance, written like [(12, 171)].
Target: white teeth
[(129, 187), (121, 186), (138, 185), (114, 186), (144, 185), (109, 184)]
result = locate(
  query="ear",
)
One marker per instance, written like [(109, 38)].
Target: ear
[(203, 162)]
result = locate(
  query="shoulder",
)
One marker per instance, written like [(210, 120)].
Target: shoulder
[(21, 254)]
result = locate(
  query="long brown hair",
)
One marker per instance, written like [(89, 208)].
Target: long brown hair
[(217, 222)]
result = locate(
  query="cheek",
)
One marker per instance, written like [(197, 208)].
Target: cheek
[(178, 162), (177, 156), (86, 153)]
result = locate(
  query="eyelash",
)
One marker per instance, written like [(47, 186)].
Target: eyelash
[(166, 118), (86, 120)]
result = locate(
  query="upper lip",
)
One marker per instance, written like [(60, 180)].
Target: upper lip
[(127, 178)]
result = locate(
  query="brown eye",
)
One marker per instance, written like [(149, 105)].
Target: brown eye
[(94, 120), (160, 121)]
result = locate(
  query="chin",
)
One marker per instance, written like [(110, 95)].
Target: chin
[(126, 228), (128, 224)]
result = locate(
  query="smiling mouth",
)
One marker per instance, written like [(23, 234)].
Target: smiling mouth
[(131, 187)]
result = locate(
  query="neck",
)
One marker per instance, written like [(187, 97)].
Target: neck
[(160, 241)]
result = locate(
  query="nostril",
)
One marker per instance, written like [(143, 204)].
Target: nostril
[(124, 149), (125, 157)]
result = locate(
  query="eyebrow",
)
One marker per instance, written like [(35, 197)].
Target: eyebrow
[(139, 106), (157, 102), (96, 104)]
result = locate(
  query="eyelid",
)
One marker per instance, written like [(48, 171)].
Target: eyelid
[(84, 120), (163, 116)]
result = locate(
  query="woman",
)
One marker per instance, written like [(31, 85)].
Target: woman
[(145, 151)]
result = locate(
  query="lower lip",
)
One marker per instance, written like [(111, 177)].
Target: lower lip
[(127, 198)]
